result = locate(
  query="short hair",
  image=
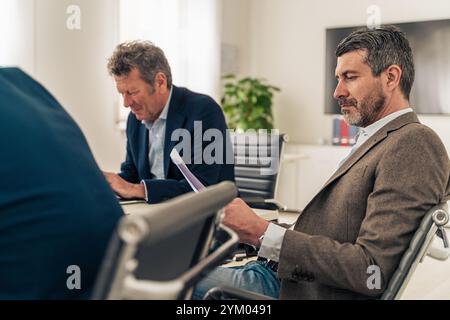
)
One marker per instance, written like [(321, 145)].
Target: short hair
[(385, 46), (143, 55)]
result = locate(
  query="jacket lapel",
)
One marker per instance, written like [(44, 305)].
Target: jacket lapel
[(144, 165), (379, 136), (175, 120)]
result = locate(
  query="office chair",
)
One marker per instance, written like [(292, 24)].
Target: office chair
[(432, 225), (163, 252), (257, 160), (257, 163)]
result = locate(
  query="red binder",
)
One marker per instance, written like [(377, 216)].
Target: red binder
[(344, 133)]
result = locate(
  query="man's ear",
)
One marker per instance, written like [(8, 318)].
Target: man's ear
[(393, 75), (160, 80)]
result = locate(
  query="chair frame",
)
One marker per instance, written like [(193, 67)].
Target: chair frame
[(117, 278), (126, 286), (433, 220)]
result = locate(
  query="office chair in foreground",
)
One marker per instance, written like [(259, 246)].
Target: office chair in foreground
[(162, 253), (432, 225)]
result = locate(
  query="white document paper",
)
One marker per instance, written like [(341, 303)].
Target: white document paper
[(195, 184)]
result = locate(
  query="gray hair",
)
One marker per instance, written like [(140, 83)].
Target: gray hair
[(385, 46), (143, 55)]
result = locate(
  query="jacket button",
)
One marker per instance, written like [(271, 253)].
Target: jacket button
[(296, 274)]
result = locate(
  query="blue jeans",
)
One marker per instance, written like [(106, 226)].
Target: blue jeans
[(254, 276)]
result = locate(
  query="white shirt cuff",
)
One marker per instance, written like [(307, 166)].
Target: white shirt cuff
[(145, 188), (271, 244)]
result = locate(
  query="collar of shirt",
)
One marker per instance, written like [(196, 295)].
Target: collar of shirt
[(367, 132), (163, 115)]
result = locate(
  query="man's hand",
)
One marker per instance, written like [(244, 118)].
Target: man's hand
[(123, 188), (246, 223)]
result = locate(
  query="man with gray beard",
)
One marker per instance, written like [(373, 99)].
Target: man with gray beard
[(365, 215)]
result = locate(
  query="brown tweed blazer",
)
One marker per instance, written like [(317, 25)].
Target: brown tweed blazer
[(366, 214)]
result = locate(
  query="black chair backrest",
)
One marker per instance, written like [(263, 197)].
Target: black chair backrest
[(257, 160), (172, 255), (416, 251), (165, 242)]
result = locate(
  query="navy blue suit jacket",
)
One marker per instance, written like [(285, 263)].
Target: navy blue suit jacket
[(185, 108), (56, 208)]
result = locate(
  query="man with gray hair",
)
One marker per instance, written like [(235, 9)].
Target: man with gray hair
[(160, 114), (365, 215)]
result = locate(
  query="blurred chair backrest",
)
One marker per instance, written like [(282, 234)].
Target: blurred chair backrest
[(158, 254), (436, 217), (257, 159)]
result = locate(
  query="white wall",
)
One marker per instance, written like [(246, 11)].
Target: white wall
[(286, 45), (72, 65), (16, 34), (236, 36), (189, 33)]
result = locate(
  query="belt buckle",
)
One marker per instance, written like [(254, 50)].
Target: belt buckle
[(273, 265)]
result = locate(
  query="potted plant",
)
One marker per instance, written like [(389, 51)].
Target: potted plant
[(247, 103)]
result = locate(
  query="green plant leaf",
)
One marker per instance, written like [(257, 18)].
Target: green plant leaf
[(247, 102), (229, 76)]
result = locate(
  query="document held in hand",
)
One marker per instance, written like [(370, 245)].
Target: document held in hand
[(195, 184)]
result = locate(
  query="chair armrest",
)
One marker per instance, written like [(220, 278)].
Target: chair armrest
[(226, 293), (290, 210), (268, 204), (260, 203)]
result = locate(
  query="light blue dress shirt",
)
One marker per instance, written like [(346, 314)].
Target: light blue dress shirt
[(367, 132), (156, 137), (273, 238)]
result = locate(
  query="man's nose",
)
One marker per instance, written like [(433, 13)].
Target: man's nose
[(127, 101), (340, 91)]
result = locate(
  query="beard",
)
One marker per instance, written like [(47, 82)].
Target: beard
[(366, 111)]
